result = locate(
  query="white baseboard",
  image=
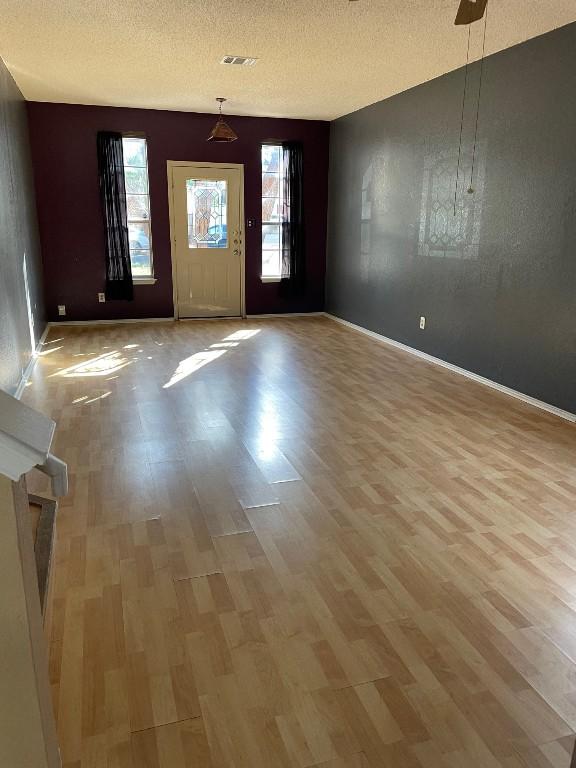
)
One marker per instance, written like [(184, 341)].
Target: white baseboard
[(32, 362), (55, 324), (207, 319), (455, 369), (280, 315)]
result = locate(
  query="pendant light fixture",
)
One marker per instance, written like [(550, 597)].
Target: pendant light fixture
[(470, 11), (221, 131)]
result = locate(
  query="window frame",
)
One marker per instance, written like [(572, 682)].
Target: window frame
[(141, 279), (281, 177)]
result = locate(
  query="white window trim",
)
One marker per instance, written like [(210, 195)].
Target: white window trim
[(144, 279), (270, 278)]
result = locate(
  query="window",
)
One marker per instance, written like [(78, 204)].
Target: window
[(138, 206), (272, 204)]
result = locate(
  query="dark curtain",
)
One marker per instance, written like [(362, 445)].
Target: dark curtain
[(293, 249), (113, 196)]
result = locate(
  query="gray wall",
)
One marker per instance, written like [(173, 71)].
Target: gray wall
[(18, 238), (496, 282)]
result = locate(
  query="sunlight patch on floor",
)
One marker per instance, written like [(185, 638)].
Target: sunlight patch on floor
[(193, 363), (200, 359), (241, 335), (102, 365)]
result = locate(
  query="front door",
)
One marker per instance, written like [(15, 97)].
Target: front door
[(207, 239)]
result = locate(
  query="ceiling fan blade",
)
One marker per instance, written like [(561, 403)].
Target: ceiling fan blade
[(470, 11)]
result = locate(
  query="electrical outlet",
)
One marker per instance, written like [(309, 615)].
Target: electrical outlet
[(101, 297), (422, 323), (61, 309)]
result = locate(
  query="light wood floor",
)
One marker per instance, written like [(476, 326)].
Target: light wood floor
[(288, 545)]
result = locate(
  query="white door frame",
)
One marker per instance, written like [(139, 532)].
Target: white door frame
[(171, 164)]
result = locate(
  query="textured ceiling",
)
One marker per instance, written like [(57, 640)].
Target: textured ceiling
[(317, 58)]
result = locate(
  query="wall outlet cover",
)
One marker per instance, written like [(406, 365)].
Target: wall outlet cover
[(101, 297), (61, 309), (422, 323)]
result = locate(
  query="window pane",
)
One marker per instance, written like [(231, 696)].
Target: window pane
[(270, 209), (141, 263), (270, 158), (139, 236), (272, 206), (138, 206), (270, 237), (136, 181), (271, 264), (134, 152), (207, 213), (270, 185)]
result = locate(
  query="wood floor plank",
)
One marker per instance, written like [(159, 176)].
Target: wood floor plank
[(315, 552)]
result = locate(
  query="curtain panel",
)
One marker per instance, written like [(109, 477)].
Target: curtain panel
[(113, 197), (292, 231)]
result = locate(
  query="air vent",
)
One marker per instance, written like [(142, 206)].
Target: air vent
[(242, 61)]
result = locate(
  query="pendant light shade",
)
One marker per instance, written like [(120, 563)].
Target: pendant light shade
[(470, 11), (221, 131)]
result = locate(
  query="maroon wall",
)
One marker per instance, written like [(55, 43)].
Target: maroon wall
[(63, 138)]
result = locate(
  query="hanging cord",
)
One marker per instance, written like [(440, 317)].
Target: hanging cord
[(471, 189), (462, 118)]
